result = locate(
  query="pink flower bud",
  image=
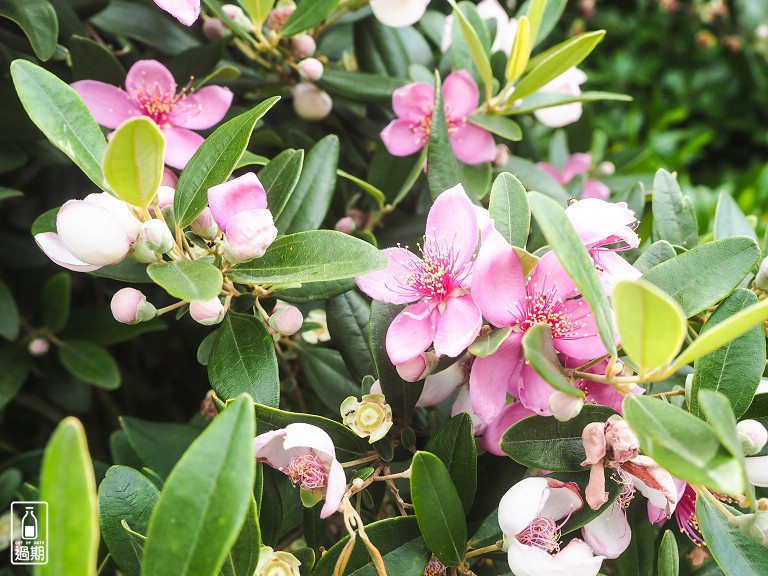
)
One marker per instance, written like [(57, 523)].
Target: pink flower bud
[(277, 18), (311, 68), (346, 225), (236, 14), (207, 313), (286, 319), (38, 346), (753, 436), (237, 195), (304, 46), (761, 279), (606, 168), (214, 29), (565, 406), (417, 368), (310, 102), (502, 155), (204, 225), (156, 236), (130, 306), (249, 234)]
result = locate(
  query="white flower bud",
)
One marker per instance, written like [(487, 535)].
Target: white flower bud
[(156, 236), (565, 406), (119, 210), (204, 225), (249, 234), (286, 319), (310, 102), (92, 234), (207, 313), (761, 279), (38, 347), (304, 45), (311, 68), (606, 168), (753, 436), (236, 14), (130, 306)]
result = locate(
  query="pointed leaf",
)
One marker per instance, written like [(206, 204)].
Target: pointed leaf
[(542, 356), (190, 280)]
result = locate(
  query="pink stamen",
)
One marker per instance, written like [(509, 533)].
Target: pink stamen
[(627, 487), (542, 533), (685, 514), (160, 102), (543, 306), (437, 274), (307, 472)]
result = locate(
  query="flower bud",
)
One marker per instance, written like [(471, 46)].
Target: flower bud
[(754, 526), (165, 195), (204, 225), (119, 210), (249, 234), (208, 312), (761, 280), (565, 406), (372, 417), (214, 29), (273, 563), (761, 31), (157, 237), (311, 68), (304, 46), (502, 155), (417, 368), (753, 436), (236, 14), (606, 168), (130, 306), (278, 17), (286, 319), (310, 102), (38, 346), (346, 225)]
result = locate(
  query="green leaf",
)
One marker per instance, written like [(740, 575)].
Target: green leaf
[(133, 162), (682, 444), (577, 262), (307, 206), (38, 20), (736, 553), (734, 369), (279, 178), (90, 363), (243, 360), (54, 301), (359, 86), (16, 364), (213, 162), (521, 50), (190, 280), (730, 220), (94, 61), (651, 325), (486, 344), (454, 444), (674, 218), (510, 210), (395, 175), (549, 99), (669, 558), (542, 356), (439, 150), (376, 194), (125, 495), (244, 556), (547, 444), (399, 541), (534, 178), (205, 499), (308, 13), (317, 291), (9, 314), (438, 509), (258, 10), (313, 256), (658, 252), (499, 125), (61, 115), (688, 277), (476, 48), (348, 316), (160, 457), (328, 376), (68, 485), (6, 193)]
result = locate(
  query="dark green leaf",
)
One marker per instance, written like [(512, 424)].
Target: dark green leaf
[(360, 86), (280, 177), (159, 457), (94, 61), (454, 444), (669, 558), (16, 364), (658, 252), (317, 291), (54, 301), (9, 314), (328, 376), (90, 363), (445, 173), (348, 316), (244, 556), (38, 20)]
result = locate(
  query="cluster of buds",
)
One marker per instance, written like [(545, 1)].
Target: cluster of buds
[(371, 418)]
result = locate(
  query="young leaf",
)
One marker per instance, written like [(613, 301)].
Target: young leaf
[(90, 363), (733, 551), (669, 558), (308, 14), (542, 356), (521, 49), (38, 20), (438, 509), (190, 280), (651, 325), (205, 499), (133, 162), (258, 10), (487, 344), (674, 217), (454, 444), (439, 150)]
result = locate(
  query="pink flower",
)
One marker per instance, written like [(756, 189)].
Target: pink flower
[(528, 516), (511, 414), (567, 84), (685, 512), (150, 90), (577, 164), (185, 11), (306, 454), (444, 312), (598, 392), (550, 297), (413, 105), (606, 228)]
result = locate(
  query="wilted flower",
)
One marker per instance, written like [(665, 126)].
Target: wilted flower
[(311, 102), (685, 512), (272, 563), (207, 312), (185, 11), (577, 164), (305, 453), (286, 319), (150, 90), (413, 105), (399, 13), (567, 84), (371, 418), (130, 306), (319, 334)]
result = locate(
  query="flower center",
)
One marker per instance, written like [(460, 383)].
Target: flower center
[(159, 102), (627, 487), (307, 472), (544, 306), (436, 275), (369, 416), (542, 533), (685, 514)]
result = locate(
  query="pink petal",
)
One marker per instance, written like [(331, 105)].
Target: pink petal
[(464, 404), (437, 387), (269, 447), (389, 285), (491, 378), (609, 534), (653, 482), (150, 77), (54, 248), (414, 101), (578, 163), (552, 171), (583, 339), (185, 11), (337, 485), (757, 469), (403, 137), (110, 106), (559, 116), (301, 435), (238, 195), (458, 325), (169, 179), (614, 268), (550, 278), (522, 504), (595, 189), (595, 444), (595, 221), (595, 492), (533, 391), (563, 499), (460, 95), (498, 286), (410, 333), (203, 109), (180, 145), (510, 415), (577, 559), (472, 144), (452, 227)]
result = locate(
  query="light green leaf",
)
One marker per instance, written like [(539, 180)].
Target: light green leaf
[(521, 49), (376, 194), (669, 558), (205, 499), (244, 556), (258, 10), (542, 356), (535, 14), (38, 20), (190, 280), (735, 553), (549, 99), (651, 325), (730, 220), (68, 485), (308, 14), (486, 344), (90, 363), (674, 217), (658, 252), (133, 162), (439, 150), (499, 125)]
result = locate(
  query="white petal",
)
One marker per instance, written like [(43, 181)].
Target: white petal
[(308, 436), (579, 560), (609, 534), (399, 13), (757, 470), (529, 561), (521, 505), (54, 248), (437, 387), (91, 233), (561, 500)]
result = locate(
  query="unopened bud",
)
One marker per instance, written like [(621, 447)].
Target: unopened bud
[(204, 225), (761, 279), (130, 306), (38, 347), (286, 319), (346, 225), (278, 17), (311, 68), (236, 14), (606, 168), (208, 312), (214, 29), (502, 155), (165, 194), (565, 406), (762, 31), (310, 102), (273, 563), (370, 418), (753, 436), (249, 234), (156, 235), (754, 526), (304, 45), (417, 368)]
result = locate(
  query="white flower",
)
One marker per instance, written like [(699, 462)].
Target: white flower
[(399, 13)]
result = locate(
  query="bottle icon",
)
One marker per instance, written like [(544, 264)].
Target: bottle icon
[(29, 524)]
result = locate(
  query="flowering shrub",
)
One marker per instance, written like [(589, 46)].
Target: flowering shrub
[(552, 379)]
